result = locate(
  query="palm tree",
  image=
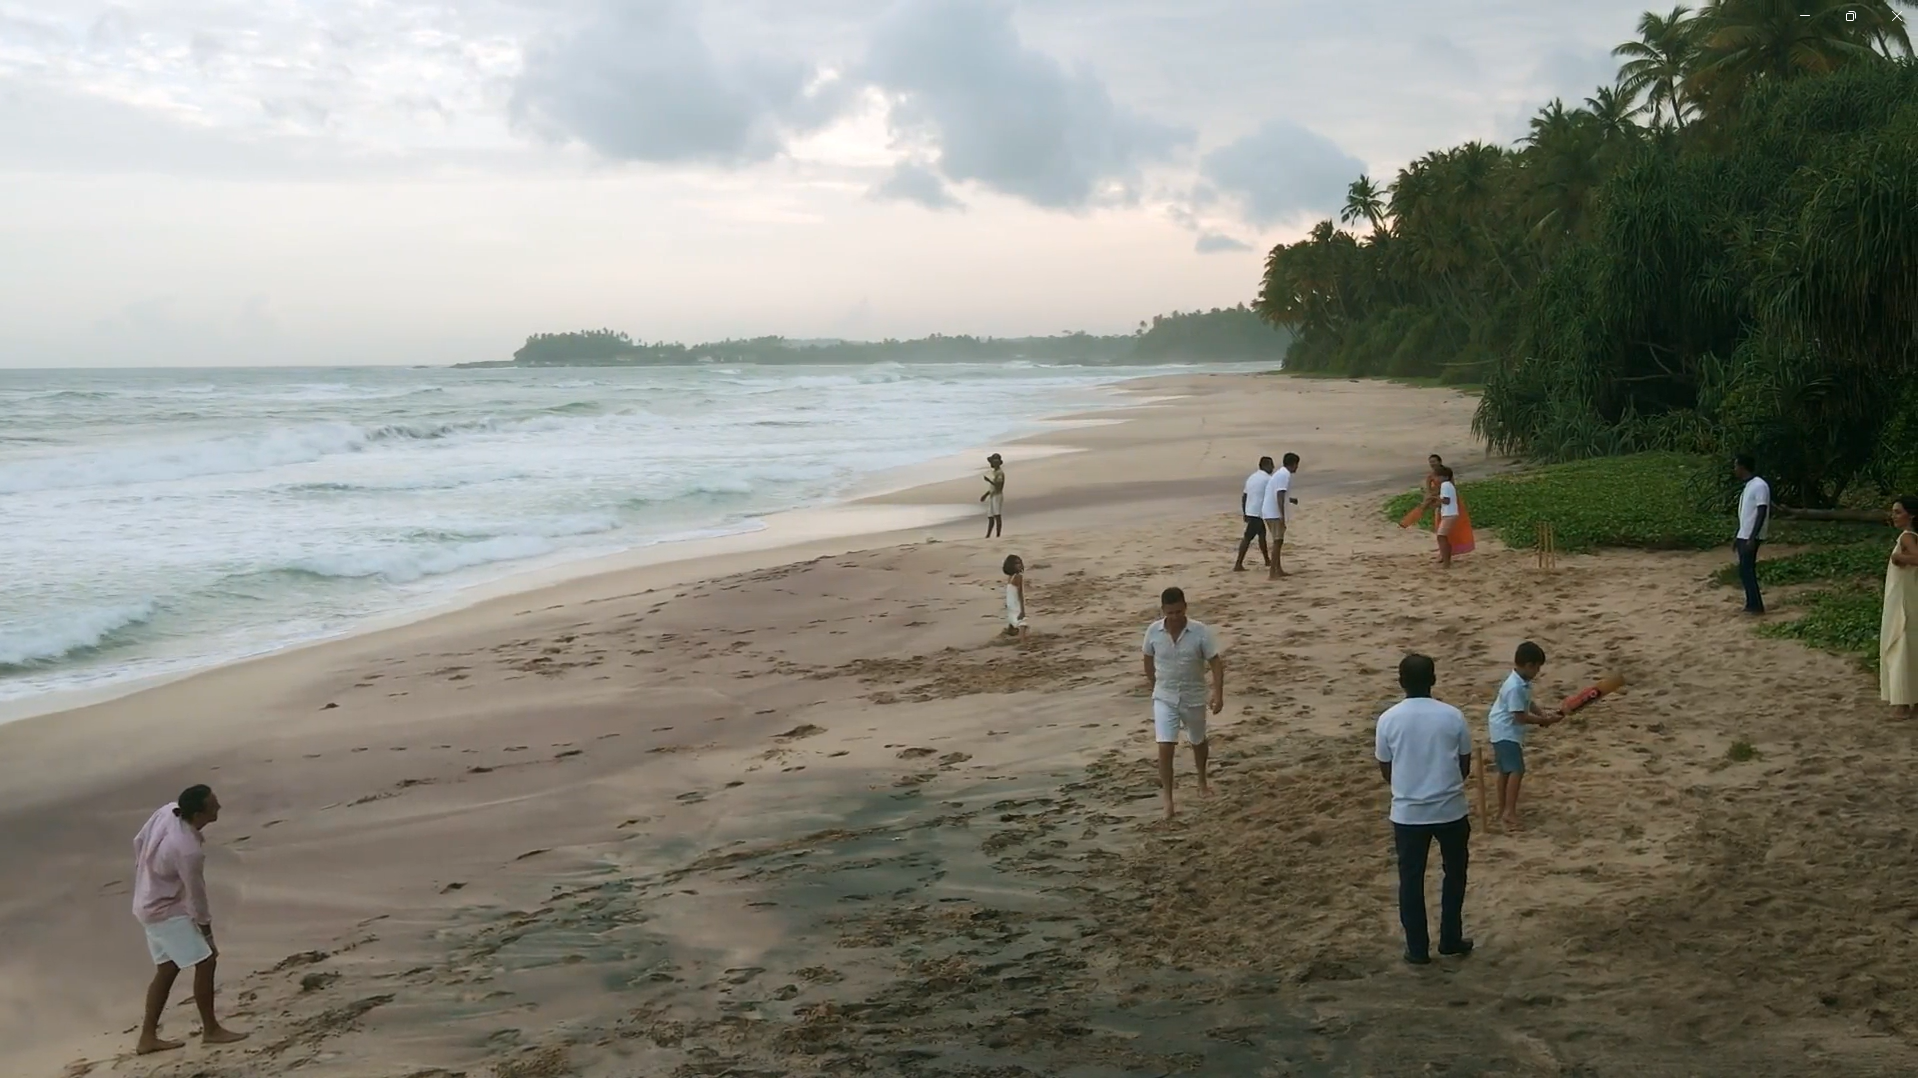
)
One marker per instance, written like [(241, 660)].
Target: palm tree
[(1364, 200), (1656, 65), (1745, 41)]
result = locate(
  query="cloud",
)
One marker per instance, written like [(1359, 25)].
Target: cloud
[(638, 81), (917, 183), (1213, 243), (1568, 73), (964, 88), (1281, 172)]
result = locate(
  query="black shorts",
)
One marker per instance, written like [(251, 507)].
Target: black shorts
[(1254, 528)]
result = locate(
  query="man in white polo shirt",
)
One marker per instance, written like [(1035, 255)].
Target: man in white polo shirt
[(1250, 505), (1178, 654), (1278, 496), (1424, 749), (1754, 526)]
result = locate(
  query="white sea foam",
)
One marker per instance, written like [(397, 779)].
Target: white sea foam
[(163, 519), (59, 635)]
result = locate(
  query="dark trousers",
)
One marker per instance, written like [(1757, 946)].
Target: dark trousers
[(1414, 842), (1748, 575)]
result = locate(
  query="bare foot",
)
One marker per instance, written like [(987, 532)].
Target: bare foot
[(1512, 824), (1901, 714), (1238, 568), (1204, 790), (147, 1048), (221, 1035)]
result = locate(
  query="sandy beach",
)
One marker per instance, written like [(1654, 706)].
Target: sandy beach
[(796, 810)]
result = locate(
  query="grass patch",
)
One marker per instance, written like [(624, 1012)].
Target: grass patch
[(1843, 619), (1653, 501), (1741, 752), (1843, 616), (1648, 501), (1854, 562)]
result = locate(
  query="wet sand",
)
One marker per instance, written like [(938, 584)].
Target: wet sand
[(812, 817)]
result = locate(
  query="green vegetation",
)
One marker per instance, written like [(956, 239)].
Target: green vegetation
[(1861, 561), (1843, 619), (1649, 501), (1741, 752), (1219, 335), (1843, 614), (1717, 254), (1669, 501)]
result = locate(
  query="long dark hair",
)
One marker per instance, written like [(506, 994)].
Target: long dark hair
[(1012, 565), (1909, 503)]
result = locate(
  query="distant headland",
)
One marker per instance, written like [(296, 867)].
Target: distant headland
[(1222, 334)]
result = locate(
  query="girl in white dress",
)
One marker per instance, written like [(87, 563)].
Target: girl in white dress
[(1015, 570)]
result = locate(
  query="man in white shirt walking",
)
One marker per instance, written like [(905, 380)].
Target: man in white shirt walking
[(1278, 496), (1424, 749), (1250, 503), (1179, 652), (1754, 526)]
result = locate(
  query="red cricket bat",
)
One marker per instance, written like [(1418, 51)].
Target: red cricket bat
[(1610, 683)]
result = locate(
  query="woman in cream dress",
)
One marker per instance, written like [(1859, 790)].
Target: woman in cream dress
[(1897, 661)]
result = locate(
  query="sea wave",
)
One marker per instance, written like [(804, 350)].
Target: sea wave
[(236, 454), (70, 635), (459, 546), (404, 566)]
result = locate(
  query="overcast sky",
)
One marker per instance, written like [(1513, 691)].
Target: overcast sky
[(426, 181)]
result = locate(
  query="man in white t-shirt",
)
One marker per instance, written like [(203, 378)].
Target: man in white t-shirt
[(1424, 749), (1754, 526), (1278, 497), (1179, 652), (1249, 506)]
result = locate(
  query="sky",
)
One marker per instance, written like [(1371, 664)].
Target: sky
[(259, 182)]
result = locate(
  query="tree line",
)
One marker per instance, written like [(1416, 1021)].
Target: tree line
[(1716, 254), (1219, 335)]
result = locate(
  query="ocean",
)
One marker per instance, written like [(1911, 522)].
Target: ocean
[(157, 521)]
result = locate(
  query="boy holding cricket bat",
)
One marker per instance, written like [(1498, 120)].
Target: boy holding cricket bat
[(1511, 713)]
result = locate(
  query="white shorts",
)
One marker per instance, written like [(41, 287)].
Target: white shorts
[(178, 941), (995, 505), (1169, 719)]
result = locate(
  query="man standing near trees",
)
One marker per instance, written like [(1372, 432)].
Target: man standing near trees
[(1754, 524)]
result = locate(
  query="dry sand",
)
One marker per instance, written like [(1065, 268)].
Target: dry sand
[(802, 813)]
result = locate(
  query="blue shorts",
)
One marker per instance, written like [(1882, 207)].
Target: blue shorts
[(1509, 756)]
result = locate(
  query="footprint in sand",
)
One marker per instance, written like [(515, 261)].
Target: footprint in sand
[(913, 754)]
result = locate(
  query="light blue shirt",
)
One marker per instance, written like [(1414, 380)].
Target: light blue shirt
[(1514, 699)]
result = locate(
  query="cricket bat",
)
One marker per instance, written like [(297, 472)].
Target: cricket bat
[(1610, 683)]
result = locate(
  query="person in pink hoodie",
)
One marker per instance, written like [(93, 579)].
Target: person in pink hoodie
[(169, 901)]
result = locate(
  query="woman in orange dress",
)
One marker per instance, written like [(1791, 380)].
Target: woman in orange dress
[(1430, 486), (1450, 519)]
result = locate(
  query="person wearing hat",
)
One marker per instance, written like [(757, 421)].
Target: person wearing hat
[(995, 496)]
